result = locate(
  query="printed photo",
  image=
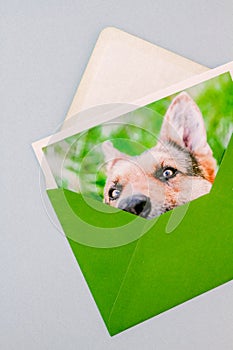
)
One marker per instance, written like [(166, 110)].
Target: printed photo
[(151, 160)]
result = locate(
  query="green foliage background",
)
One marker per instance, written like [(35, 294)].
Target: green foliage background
[(137, 131)]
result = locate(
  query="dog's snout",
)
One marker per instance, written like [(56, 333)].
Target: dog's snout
[(137, 204)]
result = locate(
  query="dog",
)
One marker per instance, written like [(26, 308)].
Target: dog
[(178, 169)]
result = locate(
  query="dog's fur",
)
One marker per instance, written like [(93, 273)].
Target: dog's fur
[(177, 170)]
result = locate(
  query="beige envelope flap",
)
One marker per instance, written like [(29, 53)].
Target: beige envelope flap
[(124, 68)]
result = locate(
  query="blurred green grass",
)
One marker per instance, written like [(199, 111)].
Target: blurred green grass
[(139, 132)]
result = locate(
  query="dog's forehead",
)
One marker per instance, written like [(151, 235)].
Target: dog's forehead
[(149, 161), (126, 167), (165, 155)]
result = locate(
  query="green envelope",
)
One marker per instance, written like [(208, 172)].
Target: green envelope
[(153, 270)]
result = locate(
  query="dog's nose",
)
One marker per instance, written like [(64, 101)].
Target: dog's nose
[(137, 204)]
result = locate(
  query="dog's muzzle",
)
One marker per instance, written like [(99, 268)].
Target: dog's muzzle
[(137, 204)]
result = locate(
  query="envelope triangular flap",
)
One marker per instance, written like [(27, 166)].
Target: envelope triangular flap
[(124, 68)]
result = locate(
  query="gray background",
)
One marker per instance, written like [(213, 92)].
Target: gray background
[(45, 45)]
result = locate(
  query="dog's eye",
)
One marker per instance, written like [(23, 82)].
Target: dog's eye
[(114, 193), (168, 173)]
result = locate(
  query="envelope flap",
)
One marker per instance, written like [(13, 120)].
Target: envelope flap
[(124, 68), (175, 267)]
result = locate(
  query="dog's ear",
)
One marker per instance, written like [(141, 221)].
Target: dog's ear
[(111, 154), (183, 124)]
